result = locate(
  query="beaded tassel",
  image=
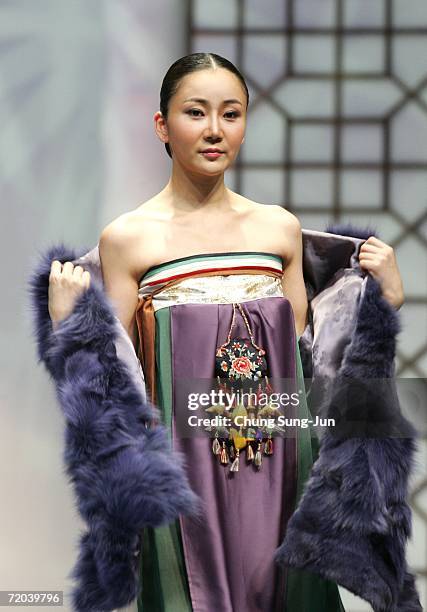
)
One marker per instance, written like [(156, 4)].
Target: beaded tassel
[(235, 465), (258, 456), (268, 448), (249, 452), (231, 451), (216, 447), (223, 454), (268, 387)]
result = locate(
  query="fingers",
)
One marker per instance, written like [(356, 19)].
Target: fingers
[(86, 279), (374, 240), (368, 256), (55, 268), (78, 271), (67, 282), (68, 269), (368, 248)]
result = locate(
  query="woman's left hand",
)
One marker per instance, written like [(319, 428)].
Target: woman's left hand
[(379, 259)]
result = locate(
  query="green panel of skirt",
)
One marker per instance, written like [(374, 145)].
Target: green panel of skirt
[(162, 569)]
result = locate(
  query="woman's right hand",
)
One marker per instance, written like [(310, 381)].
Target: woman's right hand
[(66, 283)]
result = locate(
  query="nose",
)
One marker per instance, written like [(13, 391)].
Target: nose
[(213, 131)]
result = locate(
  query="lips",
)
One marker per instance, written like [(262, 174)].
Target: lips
[(211, 153)]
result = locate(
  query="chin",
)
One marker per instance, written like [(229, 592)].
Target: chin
[(199, 165), (214, 166), (213, 171)]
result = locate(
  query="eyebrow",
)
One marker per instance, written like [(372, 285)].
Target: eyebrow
[(204, 101)]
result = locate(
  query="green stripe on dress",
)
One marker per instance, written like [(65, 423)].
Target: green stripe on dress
[(176, 263), (162, 565)]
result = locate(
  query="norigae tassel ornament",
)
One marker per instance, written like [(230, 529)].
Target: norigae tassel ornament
[(216, 446), (231, 451), (258, 456), (223, 454), (235, 465), (268, 448), (242, 363), (249, 452)]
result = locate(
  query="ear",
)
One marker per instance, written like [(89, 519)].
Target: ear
[(161, 127)]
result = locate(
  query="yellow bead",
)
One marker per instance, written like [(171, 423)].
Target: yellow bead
[(239, 441)]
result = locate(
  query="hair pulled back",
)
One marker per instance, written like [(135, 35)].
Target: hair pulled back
[(186, 65)]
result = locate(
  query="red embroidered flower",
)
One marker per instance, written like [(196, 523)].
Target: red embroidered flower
[(224, 366), (242, 365)]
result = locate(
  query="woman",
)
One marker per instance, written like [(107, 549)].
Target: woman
[(196, 265)]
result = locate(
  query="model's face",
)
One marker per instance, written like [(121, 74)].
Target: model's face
[(208, 111)]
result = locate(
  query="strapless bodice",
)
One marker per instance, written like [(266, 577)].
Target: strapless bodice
[(214, 278)]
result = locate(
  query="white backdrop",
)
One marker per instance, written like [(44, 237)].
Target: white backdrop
[(80, 83)]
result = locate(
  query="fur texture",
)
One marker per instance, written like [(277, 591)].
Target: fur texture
[(124, 473), (352, 522)]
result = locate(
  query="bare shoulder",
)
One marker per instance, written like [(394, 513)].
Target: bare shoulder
[(117, 231), (130, 224), (283, 217), (131, 238), (277, 218), (117, 237), (273, 213)]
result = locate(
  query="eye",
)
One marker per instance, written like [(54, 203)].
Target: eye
[(233, 114), (193, 110)]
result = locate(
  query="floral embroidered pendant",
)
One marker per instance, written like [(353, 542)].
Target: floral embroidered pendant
[(241, 366), (240, 362)]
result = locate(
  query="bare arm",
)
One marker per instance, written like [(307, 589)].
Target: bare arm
[(120, 277), (293, 279)]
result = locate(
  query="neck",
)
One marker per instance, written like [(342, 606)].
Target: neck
[(189, 191)]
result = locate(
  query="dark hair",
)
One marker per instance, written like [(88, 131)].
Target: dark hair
[(186, 65)]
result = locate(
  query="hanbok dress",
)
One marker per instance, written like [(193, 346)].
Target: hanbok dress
[(224, 560)]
